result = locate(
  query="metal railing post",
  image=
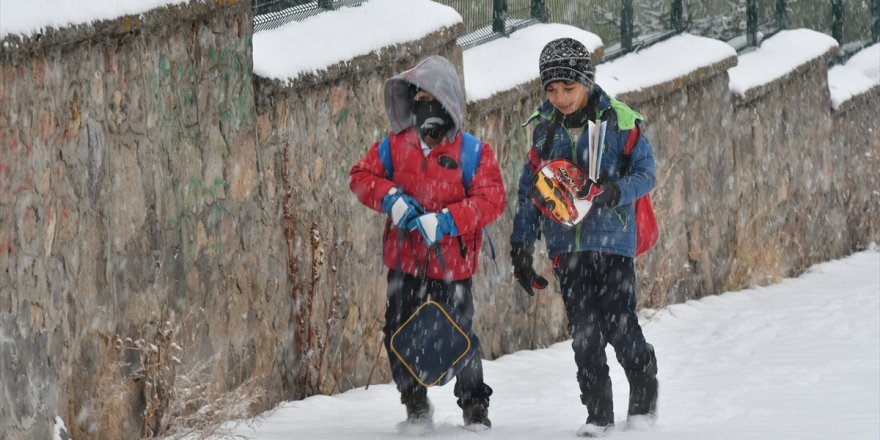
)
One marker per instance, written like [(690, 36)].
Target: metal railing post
[(781, 15), (678, 16), (499, 14), (626, 25), (837, 20), (875, 30), (540, 11), (752, 22)]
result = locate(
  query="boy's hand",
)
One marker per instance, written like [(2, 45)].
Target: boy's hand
[(434, 225), (400, 207), (521, 257), (609, 196)]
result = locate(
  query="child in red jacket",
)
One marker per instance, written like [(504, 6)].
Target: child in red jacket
[(434, 229)]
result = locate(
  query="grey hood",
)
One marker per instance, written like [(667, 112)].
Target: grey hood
[(435, 75)]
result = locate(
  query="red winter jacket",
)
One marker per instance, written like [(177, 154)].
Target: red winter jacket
[(435, 187)]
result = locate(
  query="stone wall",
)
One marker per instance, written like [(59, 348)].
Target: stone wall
[(855, 180), (161, 207), (690, 130), (782, 149), (135, 219)]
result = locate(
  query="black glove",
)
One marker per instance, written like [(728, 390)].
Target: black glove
[(609, 195), (521, 256)]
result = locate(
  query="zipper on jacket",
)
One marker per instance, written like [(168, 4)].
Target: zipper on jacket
[(622, 217), (574, 142), (574, 158)]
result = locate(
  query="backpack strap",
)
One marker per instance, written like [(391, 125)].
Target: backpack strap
[(471, 150), (646, 222), (631, 141), (549, 136), (385, 156)]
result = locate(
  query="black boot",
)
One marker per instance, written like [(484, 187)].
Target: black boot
[(476, 416), (599, 401), (643, 398), (418, 407), (643, 392), (473, 399)]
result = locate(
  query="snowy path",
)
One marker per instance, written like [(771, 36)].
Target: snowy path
[(796, 360)]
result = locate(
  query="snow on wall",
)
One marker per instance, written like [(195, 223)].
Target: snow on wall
[(858, 75), (30, 17), (326, 39), (777, 56), (868, 62), (661, 63), (505, 63), (489, 68)]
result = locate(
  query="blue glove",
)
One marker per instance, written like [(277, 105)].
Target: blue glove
[(434, 225), (400, 207)]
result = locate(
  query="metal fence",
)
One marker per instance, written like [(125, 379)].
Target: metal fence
[(269, 14), (628, 25), (486, 20)]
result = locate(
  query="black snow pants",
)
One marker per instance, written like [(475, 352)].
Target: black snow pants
[(600, 301), (405, 295)]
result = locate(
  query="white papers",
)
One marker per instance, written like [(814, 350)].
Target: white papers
[(596, 137)]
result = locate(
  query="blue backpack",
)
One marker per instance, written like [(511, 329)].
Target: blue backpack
[(471, 149)]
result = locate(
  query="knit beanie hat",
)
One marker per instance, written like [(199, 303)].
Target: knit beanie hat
[(565, 59)]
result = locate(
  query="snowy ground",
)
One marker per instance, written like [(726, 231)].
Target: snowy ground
[(796, 360)]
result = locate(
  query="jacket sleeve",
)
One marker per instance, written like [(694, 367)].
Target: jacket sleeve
[(367, 179), (527, 218), (640, 178), (485, 199)]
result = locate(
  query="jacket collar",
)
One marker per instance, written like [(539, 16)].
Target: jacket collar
[(410, 137)]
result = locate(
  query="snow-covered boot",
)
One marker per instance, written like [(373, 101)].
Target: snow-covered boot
[(418, 408), (595, 430), (476, 417), (600, 409), (643, 393)]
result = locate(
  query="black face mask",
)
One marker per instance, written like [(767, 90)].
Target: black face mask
[(431, 119)]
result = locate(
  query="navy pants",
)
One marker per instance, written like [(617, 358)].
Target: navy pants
[(600, 301), (405, 294)]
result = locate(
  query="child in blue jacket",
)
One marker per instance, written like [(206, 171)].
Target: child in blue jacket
[(593, 259)]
